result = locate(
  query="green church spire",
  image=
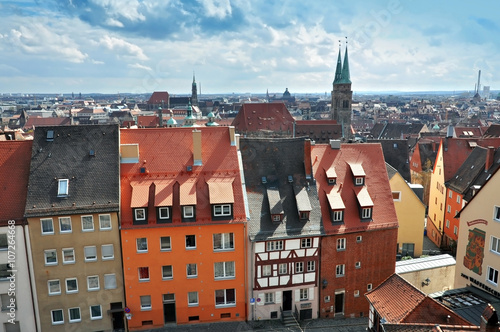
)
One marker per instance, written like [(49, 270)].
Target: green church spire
[(338, 71), (346, 77)]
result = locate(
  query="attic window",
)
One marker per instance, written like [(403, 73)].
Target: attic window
[(358, 173), (276, 217), (62, 187), (92, 153), (50, 135), (331, 175), (359, 181)]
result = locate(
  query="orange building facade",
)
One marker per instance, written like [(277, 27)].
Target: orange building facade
[(183, 226)]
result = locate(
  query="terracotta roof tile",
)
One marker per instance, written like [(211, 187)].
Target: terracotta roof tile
[(220, 190), (263, 116), (163, 192)]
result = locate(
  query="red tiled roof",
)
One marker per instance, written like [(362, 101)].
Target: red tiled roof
[(431, 311), (159, 97), (148, 121), (318, 130), (163, 192), (263, 116), (140, 193), (37, 122), (370, 157), (15, 157), (220, 190)]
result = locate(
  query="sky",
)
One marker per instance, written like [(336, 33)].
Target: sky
[(246, 46)]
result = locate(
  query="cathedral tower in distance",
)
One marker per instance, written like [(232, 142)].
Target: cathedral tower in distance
[(342, 96)]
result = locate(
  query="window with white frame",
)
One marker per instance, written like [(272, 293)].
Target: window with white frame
[(188, 211), (47, 226), (341, 244), (306, 243), (274, 245), (90, 253), (311, 266), (369, 287), (110, 281), (50, 257), (71, 285), (140, 214), (221, 210), (359, 238), (449, 208), (359, 181), (224, 270), (357, 265), (396, 196), (93, 283), (107, 252), (223, 241), (304, 215), (105, 222), (492, 275), (87, 224), (62, 187), (299, 267), (495, 245), (65, 225), (304, 294), (340, 270), (269, 298), (54, 287), (458, 199), (145, 302), (74, 315), (142, 244), (338, 215), (143, 273), (190, 242), (266, 270), (191, 270), (450, 193), (163, 213), (57, 316), (283, 268), (167, 272), (192, 299), (165, 243), (68, 256), (95, 312), (366, 213), (356, 293), (455, 230), (225, 297), (447, 223), (496, 216), (276, 217)]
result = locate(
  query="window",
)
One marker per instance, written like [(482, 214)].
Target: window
[(269, 298), (93, 283), (62, 187), (447, 223), (341, 244), (338, 216), (65, 225), (57, 316), (311, 266), (142, 244), (165, 243), (191, 270), (359, 181), (396, 196), (74, 315), (50, 257), (109, 281), (5, 271), (144, 273), (449, 209), (188, 211), (224, 270), (306, 243), (332, 180), (190, 242), (492, 275), (223, 241), (222, 210), (299, 267), (107, 252), (71, 285), (163, 213), (266, 270), (340, 270), (450, 194), (225, 297), (68, 256), (87, 223), (90, 253), (276, 217), (359, 238), (8, 301), (47, 226), (304, 294), (167, 272), (146, 302), (95, 312), (495, 245), (104, 222), (283, 268), (458, 199), (356, 293), (357, 265), (366, 213), (192, 298), (140, 214), (455, 230), (369, 287), (497, 213), (54, 287), (274, 245)]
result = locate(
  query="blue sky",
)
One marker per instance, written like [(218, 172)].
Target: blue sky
[(140, 46)]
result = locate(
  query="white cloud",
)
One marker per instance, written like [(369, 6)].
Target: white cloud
[(139, 66), (128, 9), (217, 8), (122, 47)]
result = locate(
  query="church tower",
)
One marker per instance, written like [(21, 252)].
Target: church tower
[(342, 96), (194, 93)]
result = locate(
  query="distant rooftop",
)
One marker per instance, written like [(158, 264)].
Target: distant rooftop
[(426, 263)]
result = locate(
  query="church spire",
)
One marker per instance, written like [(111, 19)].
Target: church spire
[(346, 79), (338, 71)]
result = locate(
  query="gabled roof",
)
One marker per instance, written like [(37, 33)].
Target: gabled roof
[(148, 121), (484, 176), (68, 156), (254, 117), (468, 171), (281, 162), (14, 172), (492, 131), (370, 157), (396, 153), (34, 122), (159, 97), (395, 130), (321, 131)]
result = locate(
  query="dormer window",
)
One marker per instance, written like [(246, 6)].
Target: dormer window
[(188, 211), (303, 203), (358, 173), (140, 216), (337, 216), (365, 204), (332, 181), (366, 213), (275, 204), (277, 217), (163, 214), (337, 206), (62, 188), (221, 197), (359, 181), (331, 176), (304, 215), (221, 210)]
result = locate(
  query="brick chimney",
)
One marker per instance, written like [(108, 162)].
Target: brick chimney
[(197, 161), (489, 158), (307, 158), (489, 320)]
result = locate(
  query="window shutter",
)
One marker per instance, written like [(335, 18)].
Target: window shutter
[(277, 297), (297, 295), (311, 293)]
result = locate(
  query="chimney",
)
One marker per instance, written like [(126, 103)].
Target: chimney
[(232, 136), (335, 144), (489, 319), (197, 148), (307, 158), (489, 157)]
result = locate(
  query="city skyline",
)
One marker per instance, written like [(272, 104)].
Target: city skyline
[(242, 46)]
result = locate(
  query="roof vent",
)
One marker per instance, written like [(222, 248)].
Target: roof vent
[(264, 180), (189, 168), (50, 135), (92, 153), (143, 170), (290, 178)]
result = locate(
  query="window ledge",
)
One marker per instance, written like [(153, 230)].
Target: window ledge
[(146, 309), (223, 250), (193, 305), (224, 278), (169, 278), (222, 306)]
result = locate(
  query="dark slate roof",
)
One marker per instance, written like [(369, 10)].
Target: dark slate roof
[(492, 131), (470, 169), (483, 176), (395, 130), (391, 171), (321, 131), (93, 180), (428, 151), (396, 153), (277, 159)]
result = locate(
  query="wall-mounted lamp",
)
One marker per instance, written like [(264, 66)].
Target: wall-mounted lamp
[(426, 282)]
